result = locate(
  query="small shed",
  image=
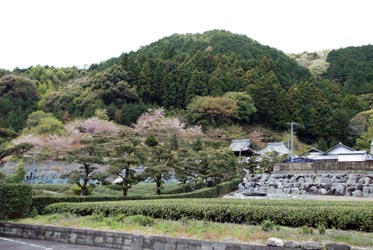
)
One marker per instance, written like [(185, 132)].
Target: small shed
[(242, 147)]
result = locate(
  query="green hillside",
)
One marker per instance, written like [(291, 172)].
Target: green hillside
[(238, 81), (352, 68)]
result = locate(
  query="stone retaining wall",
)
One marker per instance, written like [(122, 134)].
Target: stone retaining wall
[(119, 240), (357, 185)]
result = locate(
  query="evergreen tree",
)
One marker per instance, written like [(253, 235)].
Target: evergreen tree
[(197, 86), (174, 144), (88, 156), (160, 163), (126, 154), (151, 141), (270, 100), (7, 148)]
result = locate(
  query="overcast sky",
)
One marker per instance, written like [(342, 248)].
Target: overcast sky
[(81, 32)]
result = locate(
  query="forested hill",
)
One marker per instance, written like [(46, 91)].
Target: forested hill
[(172, 71), (269, 88), (352, 68)]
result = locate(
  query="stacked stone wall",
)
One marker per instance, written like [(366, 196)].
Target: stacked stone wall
[(357, 185)]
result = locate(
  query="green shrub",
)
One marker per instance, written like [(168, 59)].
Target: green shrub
[(41, 202), (227, 187), (306, 230), (321, 228), (76, 190), (15, 200), (340, 215), (140, 220), (268, 225)]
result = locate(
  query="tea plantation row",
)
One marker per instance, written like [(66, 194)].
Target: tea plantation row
[(339, 215)]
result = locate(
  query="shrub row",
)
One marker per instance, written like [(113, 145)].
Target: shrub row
[(39, 203), (339, 217), (15, 200), (60, 188)]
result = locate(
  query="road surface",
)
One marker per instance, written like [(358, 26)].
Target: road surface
[(26, 244)]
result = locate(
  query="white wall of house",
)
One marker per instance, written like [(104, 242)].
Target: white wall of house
[(351, 157)]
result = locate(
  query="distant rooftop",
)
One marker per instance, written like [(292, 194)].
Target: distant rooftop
[(240, 145), (278, 147)]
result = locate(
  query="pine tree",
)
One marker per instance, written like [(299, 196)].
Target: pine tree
[(126, 154)]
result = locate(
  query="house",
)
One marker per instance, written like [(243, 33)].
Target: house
[(312, 153), (342, 153), (242, 147), (353, 156), (278, 147)]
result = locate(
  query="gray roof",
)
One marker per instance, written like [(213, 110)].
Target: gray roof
[(278, 147), (313, 150), (339, 145), (240, 145)]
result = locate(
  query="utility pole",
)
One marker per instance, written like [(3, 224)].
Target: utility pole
[(292, 140)]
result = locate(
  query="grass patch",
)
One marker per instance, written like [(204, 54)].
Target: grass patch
[(195, 229)]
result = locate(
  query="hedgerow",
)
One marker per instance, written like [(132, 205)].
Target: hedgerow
[(287, 213), (15, 200), (40, 202)]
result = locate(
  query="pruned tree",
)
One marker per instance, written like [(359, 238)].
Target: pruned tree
[(125, 155), (160, 164), (7, 148), (88, 156), (215, 165), (186, 168)]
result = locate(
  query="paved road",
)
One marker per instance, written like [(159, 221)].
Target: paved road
[(26, 244)]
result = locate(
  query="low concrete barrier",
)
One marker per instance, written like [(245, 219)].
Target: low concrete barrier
[(119, 240)]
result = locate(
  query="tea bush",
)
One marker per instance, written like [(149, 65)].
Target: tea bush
[(285, 213)]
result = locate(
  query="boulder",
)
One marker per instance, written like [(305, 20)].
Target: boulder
[(294, 191), (357, 193), (241, 187), (292, 244), (366, 191), (323, 191), (293, 179), (367, 180), (311, 245), (352, 179), (275, 242), (359, 186), (350, 190), (335, 246), (340, 189)]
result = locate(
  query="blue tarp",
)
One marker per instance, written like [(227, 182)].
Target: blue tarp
[(299, 159)]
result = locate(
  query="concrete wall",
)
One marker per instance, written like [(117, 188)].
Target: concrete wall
[(121, 240), (325, 167)]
